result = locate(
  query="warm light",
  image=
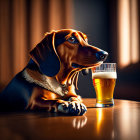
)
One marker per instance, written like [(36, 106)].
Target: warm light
[(36, 23), (124, 32), (104, 123), (99, 119), (19, 35), (128, 121), (128, 36), (134, 32)]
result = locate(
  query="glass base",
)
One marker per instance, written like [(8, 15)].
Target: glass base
[(108, 104)]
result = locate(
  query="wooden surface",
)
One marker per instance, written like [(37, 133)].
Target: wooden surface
[(121, 122)]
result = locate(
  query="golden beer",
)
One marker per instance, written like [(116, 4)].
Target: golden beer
[(104, 84)]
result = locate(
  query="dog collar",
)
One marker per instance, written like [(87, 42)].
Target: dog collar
[(48, 83)]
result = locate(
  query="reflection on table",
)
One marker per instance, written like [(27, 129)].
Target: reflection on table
[(121, 122)]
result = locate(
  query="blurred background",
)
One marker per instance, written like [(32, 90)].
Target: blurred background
[(112, 25)]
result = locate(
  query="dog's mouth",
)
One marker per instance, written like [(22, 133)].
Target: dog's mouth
[(75, 65)]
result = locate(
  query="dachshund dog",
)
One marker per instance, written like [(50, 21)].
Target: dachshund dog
[(49, 80)]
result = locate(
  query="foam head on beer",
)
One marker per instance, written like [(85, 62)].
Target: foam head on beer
[(104, 75)]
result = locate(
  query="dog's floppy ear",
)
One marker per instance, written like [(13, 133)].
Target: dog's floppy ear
[(45, 55)]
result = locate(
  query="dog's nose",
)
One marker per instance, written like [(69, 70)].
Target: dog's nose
[(101, 55)]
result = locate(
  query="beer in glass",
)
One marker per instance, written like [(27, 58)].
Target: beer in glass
[(104, 79)]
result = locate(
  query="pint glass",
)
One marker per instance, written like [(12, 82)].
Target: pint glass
[(104, 79)]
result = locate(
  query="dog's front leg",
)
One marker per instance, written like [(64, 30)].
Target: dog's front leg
[(43, 99), (44, 104), (67, 107), (74, 105)]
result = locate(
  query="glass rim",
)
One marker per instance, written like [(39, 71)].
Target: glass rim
[(105, 67), (106, 63)]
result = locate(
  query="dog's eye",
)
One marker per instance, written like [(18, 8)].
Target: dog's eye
[(72, 40)]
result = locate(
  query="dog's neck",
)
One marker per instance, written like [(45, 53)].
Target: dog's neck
[(63, 74), (67, 75)]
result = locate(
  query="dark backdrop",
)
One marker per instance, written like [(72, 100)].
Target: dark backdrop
[(98, 19), (92, 17)]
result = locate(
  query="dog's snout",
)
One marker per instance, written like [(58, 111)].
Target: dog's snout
[(101, 55)]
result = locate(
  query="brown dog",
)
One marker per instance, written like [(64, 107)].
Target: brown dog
[(49, 80)]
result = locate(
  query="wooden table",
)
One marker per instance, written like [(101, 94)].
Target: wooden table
[(121, 122)]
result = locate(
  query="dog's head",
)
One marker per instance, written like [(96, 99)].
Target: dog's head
[(67, 47)]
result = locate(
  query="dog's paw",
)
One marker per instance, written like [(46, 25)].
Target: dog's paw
[(77, 108), (73, 108)]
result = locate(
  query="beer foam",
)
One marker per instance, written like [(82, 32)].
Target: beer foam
[(105, 75)]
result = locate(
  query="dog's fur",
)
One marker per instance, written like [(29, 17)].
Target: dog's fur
[(48, 81)]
